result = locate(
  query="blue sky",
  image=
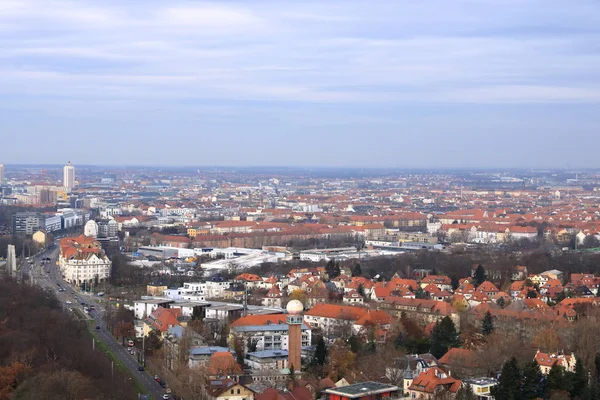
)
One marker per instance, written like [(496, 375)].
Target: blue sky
[(482, 83)]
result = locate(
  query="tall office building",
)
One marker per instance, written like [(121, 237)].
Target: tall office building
[(69, 176), (1, 174), (11, 260)]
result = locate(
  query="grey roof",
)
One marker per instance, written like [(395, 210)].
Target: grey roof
[(207, 350), (269, 353), (362, 389), (176, 331)]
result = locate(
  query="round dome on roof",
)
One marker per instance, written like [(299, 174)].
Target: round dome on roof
[(295, 307)]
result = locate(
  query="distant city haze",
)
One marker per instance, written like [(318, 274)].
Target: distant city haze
[(427, 84)]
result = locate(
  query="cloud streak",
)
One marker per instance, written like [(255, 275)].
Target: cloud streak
[(342, 62)]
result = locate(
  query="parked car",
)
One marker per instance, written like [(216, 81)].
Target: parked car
[(162, 384), (98, 327), (140, 368)]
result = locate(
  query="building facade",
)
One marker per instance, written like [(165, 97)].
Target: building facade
[(82, 261)]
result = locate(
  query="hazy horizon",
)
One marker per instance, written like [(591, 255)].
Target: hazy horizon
[(469, 84)]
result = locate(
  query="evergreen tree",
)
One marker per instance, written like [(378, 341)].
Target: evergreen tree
[(333, 269), (357, 270), (361, 289), (320, 351), (579, 380), (443, 337), (454, 282), (465, 392), (531, 387), (479, 275), (421, 294), (531, 294), (501, 302), (508, 386), (555, 380), (487, 324)]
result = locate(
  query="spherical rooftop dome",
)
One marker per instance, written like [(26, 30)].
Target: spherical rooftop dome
[(295, 307)]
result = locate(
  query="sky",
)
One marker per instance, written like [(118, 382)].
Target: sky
[(401, 84)]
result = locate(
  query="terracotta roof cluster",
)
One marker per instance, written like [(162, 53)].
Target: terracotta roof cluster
[(434, 379)]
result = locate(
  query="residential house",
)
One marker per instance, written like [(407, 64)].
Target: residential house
[(433, 383), (441, 281), (353, 297), (482, 387), (405, 369), (424, 311), (546, 361), (228, 389), (273, 298)]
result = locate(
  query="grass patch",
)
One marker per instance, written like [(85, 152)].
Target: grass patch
[(100, 346)]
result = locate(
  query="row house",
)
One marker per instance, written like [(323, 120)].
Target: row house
[(442, 282), (424, 311)]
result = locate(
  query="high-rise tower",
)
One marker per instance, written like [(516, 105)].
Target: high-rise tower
[(69, 176), (1, 174), (295, 321)]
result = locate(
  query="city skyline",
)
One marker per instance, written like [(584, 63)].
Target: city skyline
[(473, 85)]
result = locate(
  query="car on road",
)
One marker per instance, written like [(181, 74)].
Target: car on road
[(97, 327), (140, 368), (156, 378), (162, 384), (69, 302), (166, 397)]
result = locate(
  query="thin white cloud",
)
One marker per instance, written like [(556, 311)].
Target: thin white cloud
[(312, 52)]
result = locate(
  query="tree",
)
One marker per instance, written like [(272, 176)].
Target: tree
[(479, 276), (591, 242), (501, 302), (547, 340), (531, 386), (357, 270), (579, 380), (341, 360), (299, 295), (443, 337), (555, 381), (361, 289), (487, 324), (465, 392), (333, 269), (454, 281), (421, 294), (10, 377), (153, 341), (320, 351), (508, 386), (531, 294)]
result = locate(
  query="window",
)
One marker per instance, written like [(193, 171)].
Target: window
[(238, 391), (231, 391)]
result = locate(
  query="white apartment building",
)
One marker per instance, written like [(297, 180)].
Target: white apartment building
[(82, 260), (85, 267), (69, 176), (269, 337), (198, 291)]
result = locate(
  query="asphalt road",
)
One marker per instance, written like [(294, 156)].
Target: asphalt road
[(47, 275)]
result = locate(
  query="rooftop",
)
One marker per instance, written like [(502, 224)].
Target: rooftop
[(362, 389)]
